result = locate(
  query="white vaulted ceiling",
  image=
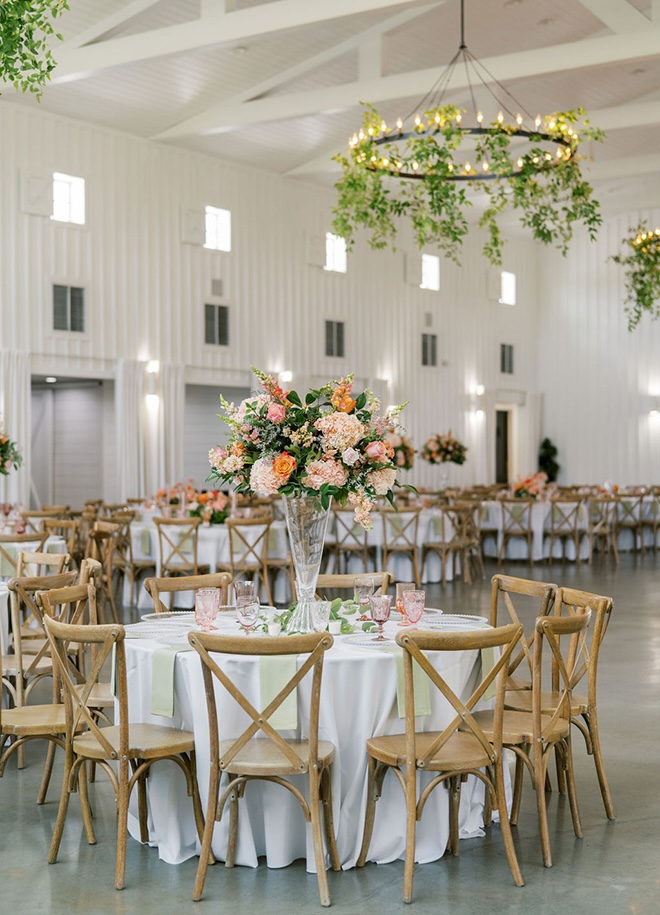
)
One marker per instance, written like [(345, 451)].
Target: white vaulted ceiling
[(277, 83)]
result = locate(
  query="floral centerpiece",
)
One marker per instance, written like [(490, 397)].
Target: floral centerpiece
[(404, 453), (212, 507), (310, 450), (10, 457), (531, 487), (444, 449), (328, 444)]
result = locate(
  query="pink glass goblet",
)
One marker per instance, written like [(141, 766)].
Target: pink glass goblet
[(381, 605), (207, 603), (413, 602), (247, 610)]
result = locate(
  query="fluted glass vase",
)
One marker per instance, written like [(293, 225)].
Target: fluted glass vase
[(306, 521)]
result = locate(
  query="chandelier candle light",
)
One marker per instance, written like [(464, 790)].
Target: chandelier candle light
[(415, 169), (327, 445)]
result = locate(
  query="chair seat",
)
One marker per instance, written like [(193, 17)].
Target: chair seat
[(518, 683), (518, 727), (101, 696), (10, 666), (34, 720), (522, 702), (460, 752), (262, 757), (145, 741)]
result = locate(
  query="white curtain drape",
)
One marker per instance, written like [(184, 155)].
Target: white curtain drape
[(15, 392), (131, 428), (530, 433), (170, 437)]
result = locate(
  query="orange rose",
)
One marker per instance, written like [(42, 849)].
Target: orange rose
[(342, 401), (283, 466), (203, 497)]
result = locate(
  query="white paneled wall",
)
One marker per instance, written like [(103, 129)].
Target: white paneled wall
[(146, 290), (203, 429)]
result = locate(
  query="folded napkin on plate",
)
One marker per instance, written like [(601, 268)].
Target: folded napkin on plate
[(421, 688), (275, 672), (162, 679)]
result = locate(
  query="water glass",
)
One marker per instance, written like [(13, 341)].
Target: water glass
[(207, 603), (413, 604), (401, 587), (247, 610), (381, 605), (363, 588), (243, 589), (320, 610)]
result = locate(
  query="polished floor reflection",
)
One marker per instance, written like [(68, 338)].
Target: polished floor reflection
[(613, 869)]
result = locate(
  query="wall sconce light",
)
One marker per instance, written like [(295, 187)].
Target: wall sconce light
[(153, 401), (655, 405), (285, 377), (51, 379), (153, 366), (477, 399)]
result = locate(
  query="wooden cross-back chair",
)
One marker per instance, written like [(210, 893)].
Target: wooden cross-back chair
[(34, 519), (177, 546), (246, 757), (159, 587), (460, 749), (629, 516), (248, 550), (650, 520), (564, 524), (125, 752), (31, 565), (570, 602), (516, 524), (534, 734), (350, 540), (603, 527), (382, 582), (12, 544), (68, 530), (400, 537), (521, 601), (101, 546)]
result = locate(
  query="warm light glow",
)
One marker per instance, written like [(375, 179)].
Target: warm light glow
[(286, 376), (153, 366), (153, 400), (480, 390), (51, 379)]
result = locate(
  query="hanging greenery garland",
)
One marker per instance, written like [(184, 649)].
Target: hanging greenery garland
[(642, 273), (26, 60), (422, 176)]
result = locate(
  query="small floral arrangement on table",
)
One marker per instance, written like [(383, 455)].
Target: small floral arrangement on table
[(328, 443), (404, 453), (444, 449), (531, 487), (10, 458), (179, 494), (212, 507)]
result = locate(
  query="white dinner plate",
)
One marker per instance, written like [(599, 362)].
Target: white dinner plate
[(367, 640)]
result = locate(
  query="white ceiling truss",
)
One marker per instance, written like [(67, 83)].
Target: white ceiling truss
[(278, 83)]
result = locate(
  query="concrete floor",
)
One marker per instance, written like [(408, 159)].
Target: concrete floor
[(615, 868)]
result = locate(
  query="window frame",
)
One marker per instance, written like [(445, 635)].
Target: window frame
[(336, 337), (506, 359), (435, 261), (77, 198), (508, 286), (216, 306), (85, 314), (429, 355), (217, 214), (336, 255)]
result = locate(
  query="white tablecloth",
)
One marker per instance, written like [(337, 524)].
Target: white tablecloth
[(491, 528), (52, 545), (358, 701)]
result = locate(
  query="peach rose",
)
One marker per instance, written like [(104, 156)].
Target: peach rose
[(276, 412), (283, 466), (376, 451)]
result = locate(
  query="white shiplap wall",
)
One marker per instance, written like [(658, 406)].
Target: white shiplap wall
[(146, 288)]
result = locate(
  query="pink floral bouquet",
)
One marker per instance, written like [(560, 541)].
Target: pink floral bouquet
[(404, 453), (212, 507), (9, 455), (530, 487), (444, 449), (328, 444)]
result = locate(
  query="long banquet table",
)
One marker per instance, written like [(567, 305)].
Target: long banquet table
[(358, 700)]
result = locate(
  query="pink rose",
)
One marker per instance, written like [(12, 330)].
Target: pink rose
[(350, 456), (276, 412), (376, 451)]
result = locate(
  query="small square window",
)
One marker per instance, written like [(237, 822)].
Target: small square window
[(68, 199), (335, 253), (430, 272), (334, 338), (216, 325), (508, 288), (218, 229), (69, 308), (506, 358), (429, 349)]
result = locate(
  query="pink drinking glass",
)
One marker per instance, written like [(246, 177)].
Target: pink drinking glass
[(401, 587), (413, 603), (207, 603), (381, 605)]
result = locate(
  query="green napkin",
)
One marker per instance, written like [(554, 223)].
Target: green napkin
[(7, 567), (275, 672), (145, 541), (420, 688), (162, 679), (487, 664)]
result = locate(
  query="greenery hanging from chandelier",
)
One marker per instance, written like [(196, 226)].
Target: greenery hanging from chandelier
[(422, 176), (26, 60), (642, 274)]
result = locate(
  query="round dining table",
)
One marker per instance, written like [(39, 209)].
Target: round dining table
[(358, 700)]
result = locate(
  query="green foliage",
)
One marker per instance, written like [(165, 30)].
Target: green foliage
[(549, 195), (26, 26), (547, 462), (642, 274)]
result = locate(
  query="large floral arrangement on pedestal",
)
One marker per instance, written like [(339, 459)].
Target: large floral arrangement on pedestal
[(444, 449), (404, 453), (328, 443), (10, 458)]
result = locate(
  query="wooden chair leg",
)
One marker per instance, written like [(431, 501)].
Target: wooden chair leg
[(373, 794), (48, 769), (205, 854), (122, 826), (592, 724), (539, 784), (317, 836), (233, 824), (411, 828), (142, 805), (505, 826), (517, 788), (62, 810), (454, 804), (328, 820), (85, 809), (572, 793)]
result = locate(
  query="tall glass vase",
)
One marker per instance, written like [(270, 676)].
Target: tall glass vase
[(307, 521), (444, 476)]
